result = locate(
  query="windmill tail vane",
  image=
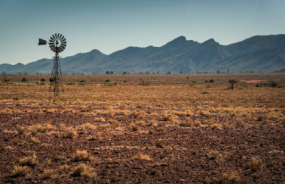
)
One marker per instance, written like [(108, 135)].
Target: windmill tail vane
[(57, 44)]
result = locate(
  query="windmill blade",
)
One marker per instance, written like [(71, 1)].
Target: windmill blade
[(60, 36), (57, 35), (51, 46), (52, 39), (53, 36), (63, 42), (51, 43), (62, 48)]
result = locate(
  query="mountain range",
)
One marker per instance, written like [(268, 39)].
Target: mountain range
[(258, 53)]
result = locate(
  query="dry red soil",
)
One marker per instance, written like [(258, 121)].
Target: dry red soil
[(189, 155)]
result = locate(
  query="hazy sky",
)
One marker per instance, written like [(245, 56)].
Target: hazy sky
[(111, 25)]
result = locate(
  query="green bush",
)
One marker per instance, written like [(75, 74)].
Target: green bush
[(206, 81), (43, 83), (107, 80), (111, 84), (257, 85), (193, 81), (70, 83), (211, 80), (82, 84)]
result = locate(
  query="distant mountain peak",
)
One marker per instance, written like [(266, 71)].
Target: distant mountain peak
[(210, 41), (181, 40)]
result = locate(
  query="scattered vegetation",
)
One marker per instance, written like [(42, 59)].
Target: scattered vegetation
[(20, 170), (140, 156)]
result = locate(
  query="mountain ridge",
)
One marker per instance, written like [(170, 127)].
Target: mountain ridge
[(265, 53)]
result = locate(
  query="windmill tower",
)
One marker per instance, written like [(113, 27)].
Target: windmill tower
[(57, 44)]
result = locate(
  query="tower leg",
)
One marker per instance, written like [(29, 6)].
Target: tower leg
[(57, 77)]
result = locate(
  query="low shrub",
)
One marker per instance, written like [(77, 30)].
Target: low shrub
[(70, 83)]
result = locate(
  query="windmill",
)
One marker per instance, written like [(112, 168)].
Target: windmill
[(57, 44)]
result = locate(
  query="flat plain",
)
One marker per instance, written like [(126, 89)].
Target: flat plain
[(147, 128)]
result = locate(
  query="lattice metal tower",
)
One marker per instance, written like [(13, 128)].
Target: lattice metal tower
[(57, 44)]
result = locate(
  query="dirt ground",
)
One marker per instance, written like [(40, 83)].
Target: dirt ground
[(142, 134)]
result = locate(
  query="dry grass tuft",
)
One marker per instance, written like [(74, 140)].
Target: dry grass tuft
[(81, 155), (21, 130), (64, 168), (216, 126), (86, 126), (66, 111), (114, 124), (232, 177), (187, 124), (140, 156), (28, 160), (137, 114), (20, 170), (10, 110), (104, 127), (69, 134), (121, 112), (84, 171), (79, 169), (134, 128), (160, 129), (34, 140), (38, 128), (151, 123), (166, 117), (50, 111), (140, 123), (254, 165), (214, 155), (48, 173), (94, 137), (99, 119)]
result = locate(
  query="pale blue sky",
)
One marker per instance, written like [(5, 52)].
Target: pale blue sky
[(111, 25)]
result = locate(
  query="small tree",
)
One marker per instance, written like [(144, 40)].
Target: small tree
[(218, 71), (124, 73), (24, 79), (5, 77), (108, 72), (181, 72), (168, 72), (232, 82), (211, 81)]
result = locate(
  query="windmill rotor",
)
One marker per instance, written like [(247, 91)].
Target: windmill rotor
[(57, 43)]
